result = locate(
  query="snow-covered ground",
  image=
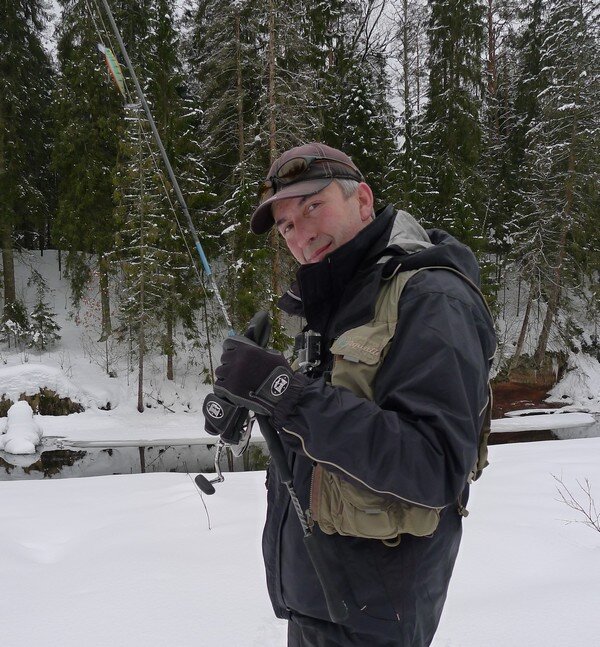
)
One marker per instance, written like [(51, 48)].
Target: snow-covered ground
[(138, 561)]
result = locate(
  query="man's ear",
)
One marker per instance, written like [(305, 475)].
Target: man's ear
[(365, 201)]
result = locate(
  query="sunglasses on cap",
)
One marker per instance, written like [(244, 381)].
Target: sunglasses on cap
[(294, 169)]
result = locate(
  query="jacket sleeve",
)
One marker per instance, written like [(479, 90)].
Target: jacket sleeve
[(418, 439)]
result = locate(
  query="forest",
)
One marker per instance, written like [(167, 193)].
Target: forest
[(480, 117)]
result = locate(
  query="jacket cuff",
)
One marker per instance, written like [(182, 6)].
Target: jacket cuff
[(289, 400)]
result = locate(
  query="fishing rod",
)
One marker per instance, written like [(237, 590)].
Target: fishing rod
[(258, 331), (165, 158)]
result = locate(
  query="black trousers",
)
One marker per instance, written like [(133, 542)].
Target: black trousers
[(318, 633)]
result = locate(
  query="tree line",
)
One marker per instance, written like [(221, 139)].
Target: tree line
[(480, 117)]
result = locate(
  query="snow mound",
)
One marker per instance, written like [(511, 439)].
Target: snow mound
[(22, 432), (580, 386), (30, 378)]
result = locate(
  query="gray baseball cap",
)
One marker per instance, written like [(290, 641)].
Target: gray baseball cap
[(301, 171)]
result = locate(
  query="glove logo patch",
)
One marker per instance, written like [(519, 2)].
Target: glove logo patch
[(214, 410), (280, 384)]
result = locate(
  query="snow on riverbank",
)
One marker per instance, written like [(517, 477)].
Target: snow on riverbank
[(133, 561), (30, 377)]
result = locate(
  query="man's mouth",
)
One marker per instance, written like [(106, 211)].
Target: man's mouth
[(319, 253)]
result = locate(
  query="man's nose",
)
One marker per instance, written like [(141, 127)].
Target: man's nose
[(305, 231)]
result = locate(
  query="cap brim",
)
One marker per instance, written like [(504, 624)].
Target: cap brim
[(262, 218)]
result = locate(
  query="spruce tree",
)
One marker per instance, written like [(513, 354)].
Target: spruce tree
[(151, 251), (88, 113), (26, 77), (43, 329), (562, 161), (498, 125), (140, 249), (450, 138)]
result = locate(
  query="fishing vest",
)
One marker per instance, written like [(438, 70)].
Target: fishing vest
[(348, 506)]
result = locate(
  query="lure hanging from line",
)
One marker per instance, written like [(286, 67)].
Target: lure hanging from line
[(113, 67)]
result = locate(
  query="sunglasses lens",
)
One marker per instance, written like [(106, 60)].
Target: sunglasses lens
[(292, 169), (266, 191)]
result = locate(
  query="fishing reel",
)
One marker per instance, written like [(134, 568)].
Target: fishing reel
[(233, 424)]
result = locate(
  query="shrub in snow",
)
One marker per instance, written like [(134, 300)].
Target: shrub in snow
[(43, 330), (14, 326), (22, 432)]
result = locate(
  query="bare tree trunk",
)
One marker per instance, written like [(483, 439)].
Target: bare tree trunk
[(553, 300), (104, 298), (274, 237), (141, 346), (405, 54), (240, 90), (141, 350), (524, 326), (241, 158), (492, 73), (8, 265), (554, 295), (418, 75), (170, 345), (142, 314), (8, 261)]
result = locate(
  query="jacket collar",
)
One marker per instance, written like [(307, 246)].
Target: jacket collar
[(319, 287)]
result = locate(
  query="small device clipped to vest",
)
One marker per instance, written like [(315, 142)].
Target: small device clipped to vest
[(308, 346)]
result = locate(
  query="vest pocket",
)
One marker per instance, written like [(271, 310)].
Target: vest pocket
[(358, 353), (340, 507)]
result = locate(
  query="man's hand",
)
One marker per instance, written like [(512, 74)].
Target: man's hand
[(250, 376)]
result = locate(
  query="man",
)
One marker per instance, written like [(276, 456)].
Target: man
[(382, 432)]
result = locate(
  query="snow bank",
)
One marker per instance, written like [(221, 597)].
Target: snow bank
[(139, 561), (29, 378), (22, 432), (580, 386)]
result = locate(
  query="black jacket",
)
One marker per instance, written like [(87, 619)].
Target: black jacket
[(417, 439)]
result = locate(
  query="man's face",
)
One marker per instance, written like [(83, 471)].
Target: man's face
[(315, 225)]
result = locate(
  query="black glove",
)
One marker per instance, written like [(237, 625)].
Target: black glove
[(250, 376), (221, 418)]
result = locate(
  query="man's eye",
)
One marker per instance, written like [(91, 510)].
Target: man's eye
[(312, 206), (287, 228)]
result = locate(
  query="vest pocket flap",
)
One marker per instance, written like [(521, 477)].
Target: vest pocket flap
[(363, 344), (340, 507)]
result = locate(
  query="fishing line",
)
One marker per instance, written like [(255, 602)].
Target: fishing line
[(132, 105), (175, 184)]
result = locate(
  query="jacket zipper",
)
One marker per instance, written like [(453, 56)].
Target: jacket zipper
[(279, 533), (312, 458)]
